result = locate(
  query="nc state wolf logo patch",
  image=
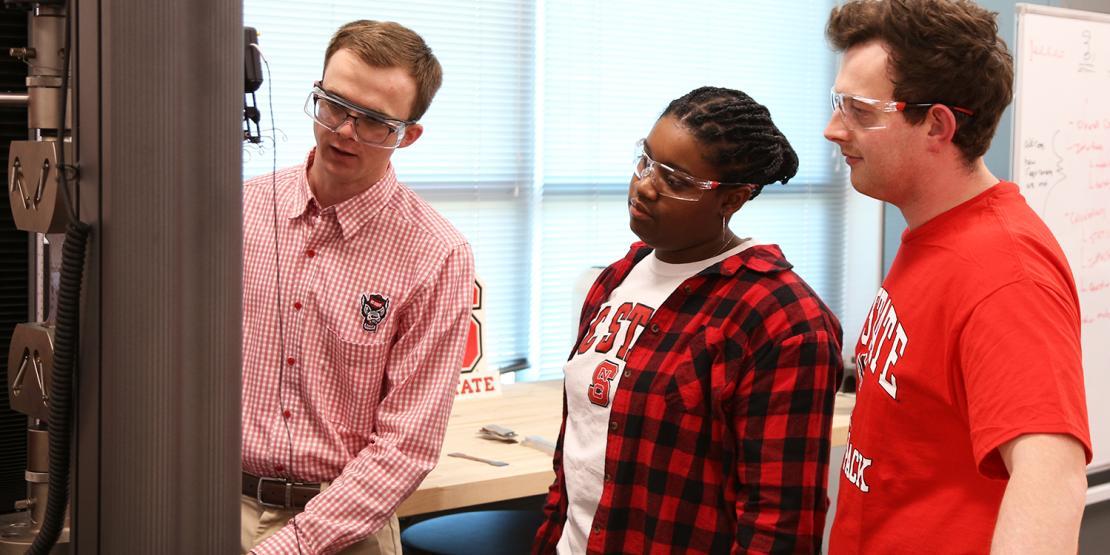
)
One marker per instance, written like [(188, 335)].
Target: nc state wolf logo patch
[(374, 310)]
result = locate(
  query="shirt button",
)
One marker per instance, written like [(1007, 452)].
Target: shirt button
[(310, 253), (291, 361), (608, 478), (287, 414), (686, 289), (655, 328), (297, 305), (627, 373), (279, 467), (612, 426), (597, 529)]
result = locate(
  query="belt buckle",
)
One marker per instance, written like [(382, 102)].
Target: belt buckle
[(288, 492)]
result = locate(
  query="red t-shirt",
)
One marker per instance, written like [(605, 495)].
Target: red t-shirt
[(973, 340)]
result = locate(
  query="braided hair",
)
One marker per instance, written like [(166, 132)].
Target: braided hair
[(737, 136)]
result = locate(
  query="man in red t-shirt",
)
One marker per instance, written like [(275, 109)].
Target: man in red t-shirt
[(970, 429)]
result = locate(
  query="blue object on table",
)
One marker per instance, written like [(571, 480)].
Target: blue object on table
[(477, 532)]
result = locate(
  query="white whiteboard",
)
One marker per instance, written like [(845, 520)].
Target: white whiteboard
[(1061, 161)]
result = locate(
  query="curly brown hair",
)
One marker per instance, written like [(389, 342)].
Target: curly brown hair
[(941, 51), (389, 44)]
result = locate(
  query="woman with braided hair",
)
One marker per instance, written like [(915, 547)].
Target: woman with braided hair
[(699, 396)]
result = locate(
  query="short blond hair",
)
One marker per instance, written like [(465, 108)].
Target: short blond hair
[(389, 44)]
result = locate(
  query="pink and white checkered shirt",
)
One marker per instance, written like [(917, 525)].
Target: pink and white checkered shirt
[(349, 373)]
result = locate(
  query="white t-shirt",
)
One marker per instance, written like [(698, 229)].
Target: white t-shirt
[(592, 376)]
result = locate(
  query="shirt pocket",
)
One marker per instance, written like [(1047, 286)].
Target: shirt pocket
[(351, 382), (697, 382), (684, 389), (688, 413)]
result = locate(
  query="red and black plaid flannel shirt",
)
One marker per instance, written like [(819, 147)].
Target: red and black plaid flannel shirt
[(719, 431)]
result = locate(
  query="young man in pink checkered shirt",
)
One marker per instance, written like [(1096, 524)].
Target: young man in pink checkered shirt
[(356, 295)]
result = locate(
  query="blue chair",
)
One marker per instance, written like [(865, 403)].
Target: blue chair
[(505, 532)]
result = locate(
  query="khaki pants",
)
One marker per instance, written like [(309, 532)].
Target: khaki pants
[(258, 523)]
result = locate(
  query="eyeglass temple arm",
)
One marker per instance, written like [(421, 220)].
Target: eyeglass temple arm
[(901, 106)]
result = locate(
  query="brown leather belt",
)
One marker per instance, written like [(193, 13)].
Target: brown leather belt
[(278, 492)]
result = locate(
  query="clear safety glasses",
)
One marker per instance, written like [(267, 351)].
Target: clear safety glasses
[(860, 112), (373, 128), (671, 182)]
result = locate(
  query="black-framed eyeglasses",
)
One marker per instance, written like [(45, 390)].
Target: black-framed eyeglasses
[(370, 127)]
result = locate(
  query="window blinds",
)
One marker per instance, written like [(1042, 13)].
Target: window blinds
[(527, 147)]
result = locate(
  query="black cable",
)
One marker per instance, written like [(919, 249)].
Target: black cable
[(61, 390), (277, 271)]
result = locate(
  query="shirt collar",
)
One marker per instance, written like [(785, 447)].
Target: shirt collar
[(352, 213), (765, 259), (300, 201)]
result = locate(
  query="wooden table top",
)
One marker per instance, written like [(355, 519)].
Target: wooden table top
[(532, 408)]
